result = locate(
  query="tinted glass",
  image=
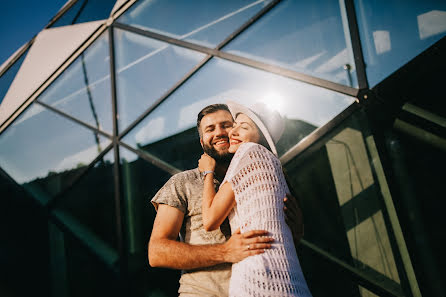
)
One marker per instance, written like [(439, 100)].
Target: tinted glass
[(91, 202), (69, 16), (343, 206), (145, 70), (83, 89), (306, 36), (86, 11), (392, 34), (169, 131), (7, 77), (141, 181), (200, 21), (96, 10), (87, 275), (42, 151)]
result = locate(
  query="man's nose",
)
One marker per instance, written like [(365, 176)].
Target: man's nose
[(221, 131)]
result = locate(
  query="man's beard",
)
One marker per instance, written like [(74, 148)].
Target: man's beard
[(224, 157)]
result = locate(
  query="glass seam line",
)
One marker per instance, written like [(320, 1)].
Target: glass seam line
[(319, 82), (118, 198), (356, 45), (370, 284), (64, 65)]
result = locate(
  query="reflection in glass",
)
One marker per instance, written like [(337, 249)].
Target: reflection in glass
[(141, 181), (200, 21), (86, 11), (43, 151), (83, 89), (7, 77), (306, 36), (91, 202), (342, 204), (69, 16), (169, 131), (145, 70), (392, 34)]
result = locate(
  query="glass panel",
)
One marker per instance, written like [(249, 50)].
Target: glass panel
[(342, 204), (69, 16), (204, 22), (43, 151), (7, 77), (393, 33), (83, 89), (91, 202), (24, 232), (169, 131), (306, 36), (86, 11), (145, 70), (87, 275), (96, 10), (141, 181)]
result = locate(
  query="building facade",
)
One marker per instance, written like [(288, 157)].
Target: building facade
[(98, 111)]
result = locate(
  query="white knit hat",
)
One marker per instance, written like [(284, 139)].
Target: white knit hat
[(270, 122)]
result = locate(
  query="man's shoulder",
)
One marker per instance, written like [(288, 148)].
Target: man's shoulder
[(190, 175)]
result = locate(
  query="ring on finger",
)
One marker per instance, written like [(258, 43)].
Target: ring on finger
[(248, 247)]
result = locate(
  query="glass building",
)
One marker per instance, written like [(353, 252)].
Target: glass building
[(98, 111)]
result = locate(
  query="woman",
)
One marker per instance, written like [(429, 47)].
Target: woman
[(251, 195)]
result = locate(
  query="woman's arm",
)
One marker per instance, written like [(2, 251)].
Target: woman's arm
[(215, 206)]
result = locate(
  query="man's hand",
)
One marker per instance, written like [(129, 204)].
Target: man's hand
[(294, 218), (240, 246)]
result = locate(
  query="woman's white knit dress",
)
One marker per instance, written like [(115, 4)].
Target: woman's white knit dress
[(259, 186)]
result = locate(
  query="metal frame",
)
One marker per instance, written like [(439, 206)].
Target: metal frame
[(298, 149)]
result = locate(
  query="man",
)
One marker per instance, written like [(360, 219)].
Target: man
[(204, 257)]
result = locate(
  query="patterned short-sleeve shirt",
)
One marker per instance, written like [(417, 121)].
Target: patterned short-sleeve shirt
[(184, 191)]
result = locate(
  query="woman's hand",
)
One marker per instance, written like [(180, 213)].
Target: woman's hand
[(206, 163)]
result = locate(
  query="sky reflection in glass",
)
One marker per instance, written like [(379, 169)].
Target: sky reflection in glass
[(41, 142), (305, 36), (83, 89), (7, 77), (145, 70), (393, 32), (221, 80), (200, 21)]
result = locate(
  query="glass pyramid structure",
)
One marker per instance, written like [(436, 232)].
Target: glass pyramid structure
[(99, 110)]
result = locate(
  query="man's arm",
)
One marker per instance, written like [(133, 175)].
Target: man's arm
[(294, 218), (165, 251)]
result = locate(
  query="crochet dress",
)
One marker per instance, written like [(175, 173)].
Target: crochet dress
[(259, 186)]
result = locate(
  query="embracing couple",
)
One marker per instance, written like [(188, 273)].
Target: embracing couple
[(240, 178)]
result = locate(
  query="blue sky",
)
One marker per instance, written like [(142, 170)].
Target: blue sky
[(21, 20)]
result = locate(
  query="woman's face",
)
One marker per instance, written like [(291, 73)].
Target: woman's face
[(244, 130)]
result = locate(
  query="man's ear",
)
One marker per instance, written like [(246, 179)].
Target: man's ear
[(201, 142)]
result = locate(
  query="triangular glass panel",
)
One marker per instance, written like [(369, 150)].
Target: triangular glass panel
[(44, 152), (169, 132), (9, 75), (70, 15), (204, 22), (91, 202), (305, 36), (42, 60), (145, 70), (390, 40), (141, 181), (83, 89), (86, 11)]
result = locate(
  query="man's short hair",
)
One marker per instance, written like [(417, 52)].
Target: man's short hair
[(208, 110)]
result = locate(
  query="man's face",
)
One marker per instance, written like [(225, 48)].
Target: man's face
[(215, 128)]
